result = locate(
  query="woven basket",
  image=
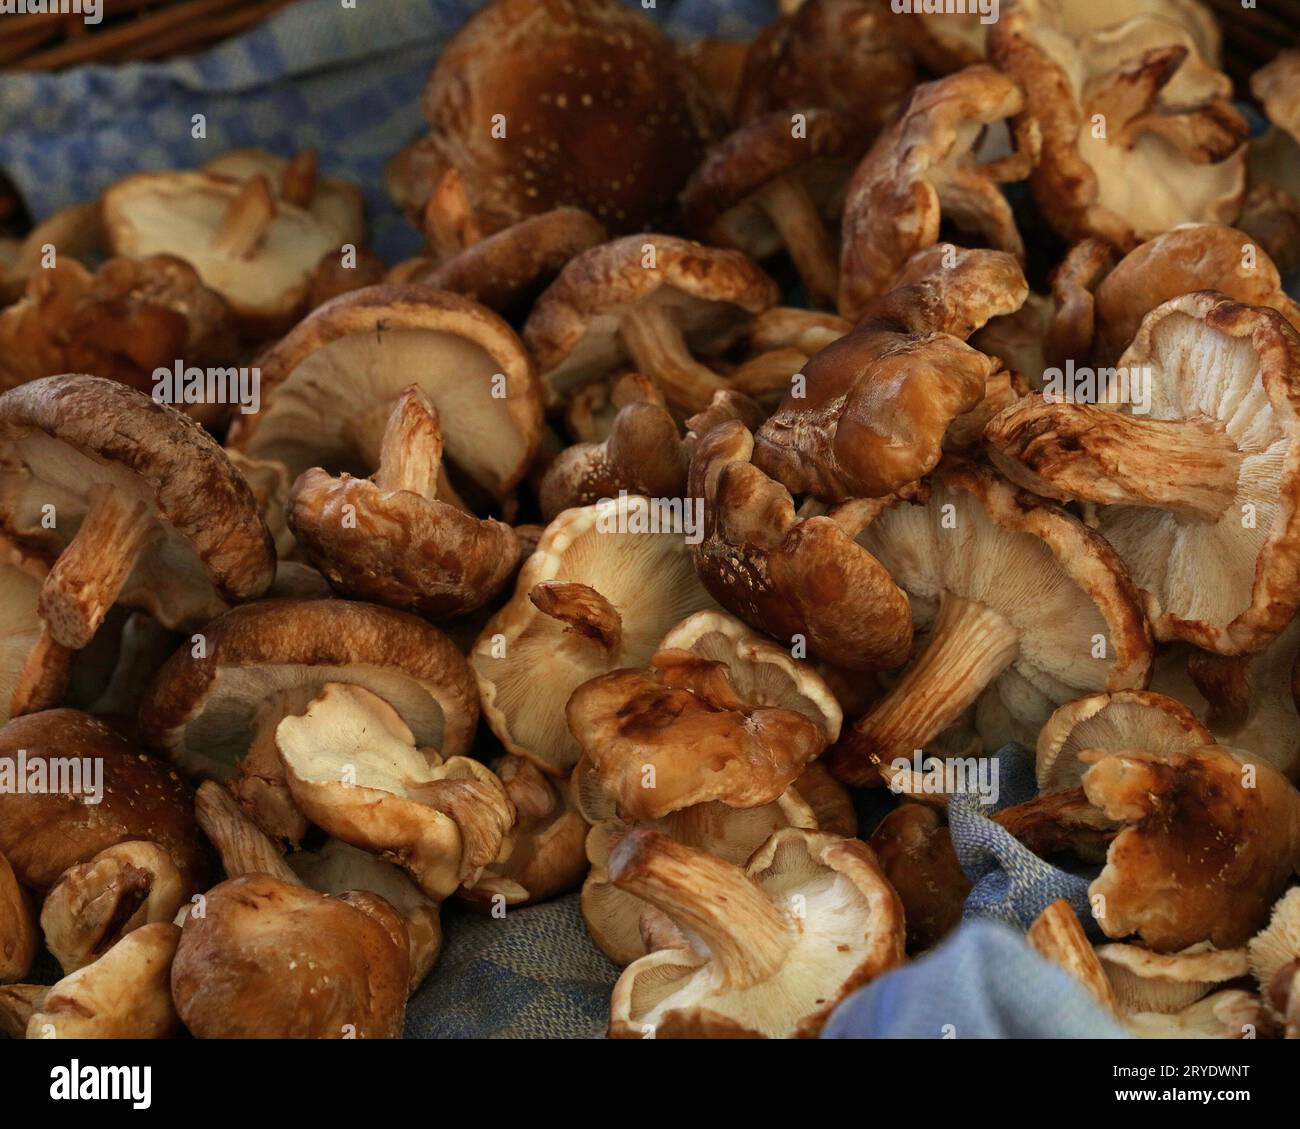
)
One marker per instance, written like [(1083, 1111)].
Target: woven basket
[(131, 30)]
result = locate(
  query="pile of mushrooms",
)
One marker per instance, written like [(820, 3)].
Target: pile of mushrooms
[(752, 420)]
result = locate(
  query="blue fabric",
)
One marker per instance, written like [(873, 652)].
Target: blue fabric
[(982, 983)]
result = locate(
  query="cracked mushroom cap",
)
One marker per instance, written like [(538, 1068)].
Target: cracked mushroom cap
[(998, 582), (146, 509), (43, 833), (548, 853), (679, 735), (758, 189), (390, 538), (270, 960), (215, 704), (1127, 719), (798, 580), (594, 106), (603, 585), (1198, 493), (125, 994), (653, 300), (916, 855), (329, 385), (877, 404), (923, 170), (1275, 963), (774, 947), (258, 252), (1139, 133), (355, 771), (1209, 842), (95, 904), (20, 938), (1206, 256)]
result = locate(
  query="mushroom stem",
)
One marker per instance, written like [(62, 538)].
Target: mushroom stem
[(89, 575), (410, 454), (768, 373), (246, 221), (655, 343), (298, 185), (970, 645), (585, 611), (795, 216), (243, 847), (449, 220), (42, 679), (747, 937), (1089, 453), (262, 786)]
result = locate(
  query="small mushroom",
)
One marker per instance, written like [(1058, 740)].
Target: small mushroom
[(1191, 475), (354, 770), (654, 300), (20, 939), (271, 960), (1275, 963), (997, 581), (215, 704), (915, 852), (780, 943), (329, 386), (125, 994), (1209, 843), (923, 170), (136, 502), (800, 580), (95, 904), (390, 538), (57, 761), (597, 594), (755, 192)]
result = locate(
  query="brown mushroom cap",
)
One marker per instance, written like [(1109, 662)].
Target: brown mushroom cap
[(1127, 719), (148, 510), (796, 580), (781, 942), (653, 299), (921, 169), (329, 385), (389, 538), (1199, 495), (915, 852), (44, 833), (20, 938), (598, 112), (1210, 842), (271, 960), (207, 711), (998, 581)]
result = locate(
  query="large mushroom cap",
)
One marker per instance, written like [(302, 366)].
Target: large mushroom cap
[(45, 832), (206, 711), (603, 585), (329, 385), (147, 508), (1003, 586), (271, 960), (780, 943), (597, 110), (1194, 468), (646, 298)]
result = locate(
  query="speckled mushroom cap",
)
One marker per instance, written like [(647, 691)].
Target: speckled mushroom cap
[(506, 270), (710, 293), (998, 582), (1170, 147), (800, 581), (807, 921), (44, 833), (202, 710), (923, 169), (271, 960), (1197, 489), (93, 449), (597, 594), (328, 386), (598, 112)]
